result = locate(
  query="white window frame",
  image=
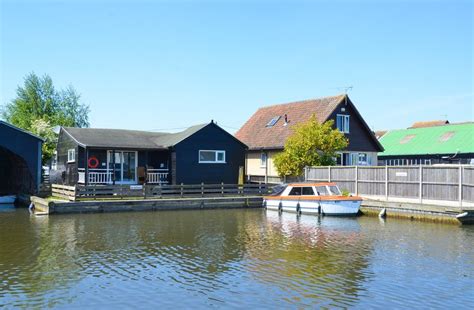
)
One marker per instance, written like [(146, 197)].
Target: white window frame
[(54, 161), (263, 162), (342, 123), (71, 155), (363, 163), (216, 156)]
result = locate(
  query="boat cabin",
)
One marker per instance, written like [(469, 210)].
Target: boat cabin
[(200, 154), (315, 189)]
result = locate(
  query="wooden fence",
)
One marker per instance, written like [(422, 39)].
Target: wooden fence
[(87, 192), (446, 183), (63, 192)]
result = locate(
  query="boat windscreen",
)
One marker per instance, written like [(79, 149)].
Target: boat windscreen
[(334, 190), (278, 189), (322, 190)]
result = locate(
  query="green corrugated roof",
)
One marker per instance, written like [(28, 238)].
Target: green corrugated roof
[(429, 140)]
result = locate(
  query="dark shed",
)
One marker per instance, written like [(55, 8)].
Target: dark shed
[(20, 160), (191, 154)]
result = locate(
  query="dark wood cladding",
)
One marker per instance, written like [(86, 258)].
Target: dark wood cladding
[(68, 171), (20, 161), (211, 137), (360, 136), (181, 160)]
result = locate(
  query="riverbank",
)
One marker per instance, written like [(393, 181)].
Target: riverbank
[(404, 210), (46, 206)]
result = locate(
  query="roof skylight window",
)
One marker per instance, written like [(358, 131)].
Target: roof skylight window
[(407, 139), (446, 136), (273, 121)]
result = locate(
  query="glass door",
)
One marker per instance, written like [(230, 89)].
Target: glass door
[(125, 164), (129, 167)]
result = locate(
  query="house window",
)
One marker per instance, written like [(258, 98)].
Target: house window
[(363, 160), (342, 123), (263, 159), (354, 159), (71, 155), (54, 161), (211, 157), (273, 121)]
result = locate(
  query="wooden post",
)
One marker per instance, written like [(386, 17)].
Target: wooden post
[(420, 189), (306, 174), (329, 173), (86, 168), (386, 182), (202, 189), (460, 171), (222, 188), (182, 190), (356, 180), (113, 167)]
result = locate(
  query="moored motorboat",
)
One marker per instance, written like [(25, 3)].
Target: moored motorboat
[(313, 198), (10, 199)]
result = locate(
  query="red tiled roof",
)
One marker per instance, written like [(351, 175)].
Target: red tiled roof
[(257, 135), (379, 133), (429, 124)]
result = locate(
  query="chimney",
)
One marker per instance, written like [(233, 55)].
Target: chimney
[(286, 120)]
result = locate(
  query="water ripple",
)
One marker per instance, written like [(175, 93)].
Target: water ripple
[(232, 259)]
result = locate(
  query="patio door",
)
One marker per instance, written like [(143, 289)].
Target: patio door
[(125, 163)]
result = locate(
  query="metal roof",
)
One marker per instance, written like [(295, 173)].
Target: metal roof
[(121, 138), (446, 139)]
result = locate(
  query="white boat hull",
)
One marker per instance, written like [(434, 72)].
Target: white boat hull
[(7, 199), (330, 207)]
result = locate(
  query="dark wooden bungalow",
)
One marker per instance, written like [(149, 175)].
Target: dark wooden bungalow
[(200, 154), (20, 160)]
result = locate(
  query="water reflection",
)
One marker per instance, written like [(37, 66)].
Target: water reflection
[(231, 258)]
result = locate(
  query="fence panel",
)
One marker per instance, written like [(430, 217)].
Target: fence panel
[(404, 182), (468, 184), (441, 183), (371, 181), (420, 182)]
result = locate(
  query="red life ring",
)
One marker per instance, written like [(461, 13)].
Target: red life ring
[(93, 162)]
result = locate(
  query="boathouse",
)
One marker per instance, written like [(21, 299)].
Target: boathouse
[(429, 143), (267, 130), (200, 154), (20, 160)]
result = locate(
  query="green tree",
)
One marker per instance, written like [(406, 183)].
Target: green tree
[(311, 144), (38, 107)]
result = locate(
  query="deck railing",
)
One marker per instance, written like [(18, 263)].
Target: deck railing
[(96, 176), (157, 176), (85, 192)]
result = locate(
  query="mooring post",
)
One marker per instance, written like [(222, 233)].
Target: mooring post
[(386, 182), (329, 173)]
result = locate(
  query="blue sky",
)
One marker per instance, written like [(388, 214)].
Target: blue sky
[(159, 65)]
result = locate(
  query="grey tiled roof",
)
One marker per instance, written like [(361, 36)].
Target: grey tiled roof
[(121, 138)]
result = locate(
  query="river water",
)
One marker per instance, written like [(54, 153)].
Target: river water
[(231, 259)]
